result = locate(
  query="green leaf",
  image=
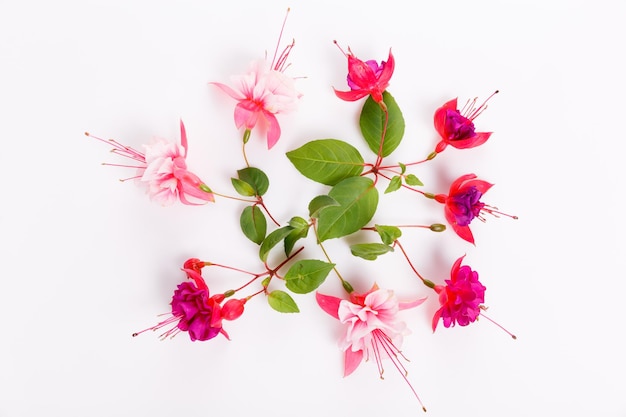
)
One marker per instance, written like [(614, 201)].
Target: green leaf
[(370, 251), (394, 184), (388, 234), (372, 124), (272, 240), (266, 282), (242, 187), (402, 167), (282, 302), (255, 178), (320, 202), (298, 223), (357, 198), (300, 231), (327, 161), (307, 275), (253, 224), (413, 180)]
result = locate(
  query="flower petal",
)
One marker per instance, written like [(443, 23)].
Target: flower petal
[(410, 304), (328, 303), (464, 233), (460, 182), (351, 95), (183, 138), (234, 94), (352, 361), (273, 131), (200, 284)]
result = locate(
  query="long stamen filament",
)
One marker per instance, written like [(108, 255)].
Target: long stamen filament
[(474, 113), (499, 325), (394, 354), (275, 64)]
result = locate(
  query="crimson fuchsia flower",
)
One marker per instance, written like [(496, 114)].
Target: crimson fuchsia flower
[(461, 298), (373, 330), (456, 128), (162, 169), (463, 204), (367, 78), (196, 312)]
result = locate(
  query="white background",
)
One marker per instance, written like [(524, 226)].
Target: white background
[(87, 260)]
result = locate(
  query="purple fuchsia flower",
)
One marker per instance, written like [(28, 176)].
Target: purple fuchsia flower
[(373, 329), (162, 169), (367, 78), (462, 204), (461, 298), (456, 127)]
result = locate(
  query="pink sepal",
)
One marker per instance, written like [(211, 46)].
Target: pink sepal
[(328, 303)]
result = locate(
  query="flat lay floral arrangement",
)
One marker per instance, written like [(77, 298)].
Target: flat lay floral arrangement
[(372, 320)]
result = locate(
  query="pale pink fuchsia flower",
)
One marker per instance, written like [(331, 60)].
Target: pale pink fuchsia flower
[(162, 169), (462, 204), (367, 78), (456, 127), (373, 329), (262, 93), (196, 312), (461, 298)]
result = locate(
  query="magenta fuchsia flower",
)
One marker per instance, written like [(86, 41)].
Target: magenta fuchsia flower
[(462, 204), (461, 298), (373, 330), (196, 312), (162, 169), (367, 78), (456, 127)]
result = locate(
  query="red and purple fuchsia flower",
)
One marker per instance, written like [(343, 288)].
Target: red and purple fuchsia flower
[(195, 311), (456, 127), (461, 298), (367, 78), (462, 204), (373, 329)]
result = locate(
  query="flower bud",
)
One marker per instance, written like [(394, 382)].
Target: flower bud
[(437, 227), (233, 309), (194, 264)]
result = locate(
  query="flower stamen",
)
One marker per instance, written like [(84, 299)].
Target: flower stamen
[(279, 64), (483, 308), (470, 112), (382, 340)]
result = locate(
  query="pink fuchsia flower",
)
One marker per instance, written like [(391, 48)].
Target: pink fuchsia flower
[(462, 204), (373, 330), (367, 78), (162, 169), (461, 298), (456, 127), (262, 93)]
